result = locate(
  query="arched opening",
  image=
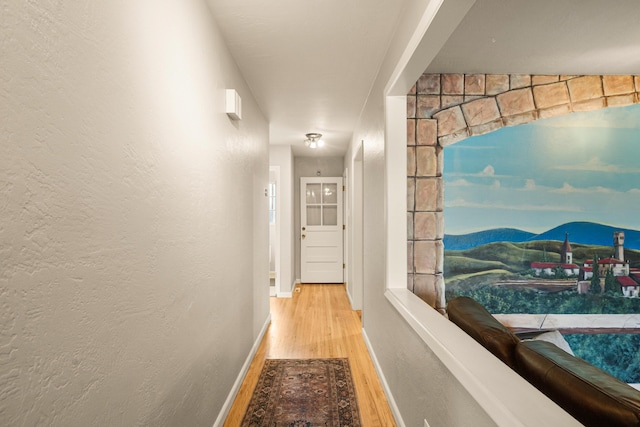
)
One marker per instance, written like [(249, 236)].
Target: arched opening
[(448, 109), (443, 109)]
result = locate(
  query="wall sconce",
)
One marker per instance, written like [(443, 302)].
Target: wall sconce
[(233, 106), (313, 140)]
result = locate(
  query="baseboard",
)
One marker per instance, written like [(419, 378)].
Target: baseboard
[(243, 372), (349, 296), (285, 295), (385, 386), (289, 294)]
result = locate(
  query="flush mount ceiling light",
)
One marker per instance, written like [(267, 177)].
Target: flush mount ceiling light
[(313, 140)]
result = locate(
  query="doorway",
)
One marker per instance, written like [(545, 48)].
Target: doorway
[(321, 225), (274, 230), (356, 287)]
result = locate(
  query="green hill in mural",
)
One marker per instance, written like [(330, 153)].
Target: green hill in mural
[(502, 261)]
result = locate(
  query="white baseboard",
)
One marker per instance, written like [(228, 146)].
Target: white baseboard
[(289, 294), (349, 296), (285, 295), (243, 372), (385, 386)]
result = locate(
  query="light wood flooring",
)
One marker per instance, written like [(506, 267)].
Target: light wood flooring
[(318, 323)]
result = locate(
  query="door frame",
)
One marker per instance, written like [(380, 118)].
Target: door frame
[(356, 227), (346, 220), (339, 227), (276, 172)]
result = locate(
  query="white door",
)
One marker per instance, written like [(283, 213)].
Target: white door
[(321, 230)]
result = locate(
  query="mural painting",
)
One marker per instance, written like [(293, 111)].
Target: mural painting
[(544, 219)]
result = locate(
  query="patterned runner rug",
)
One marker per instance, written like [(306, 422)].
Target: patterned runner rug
[(303, 393)]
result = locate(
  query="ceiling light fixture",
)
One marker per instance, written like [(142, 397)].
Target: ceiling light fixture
[(313, 140)]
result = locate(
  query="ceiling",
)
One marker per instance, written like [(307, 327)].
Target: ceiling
[(311, 64), (545, 37)]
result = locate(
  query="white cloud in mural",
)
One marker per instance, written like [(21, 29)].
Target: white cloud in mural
[(461, 203), (459, 183), (568, 188), (488, 171), (530, 184), (597, 165), (496, 184)]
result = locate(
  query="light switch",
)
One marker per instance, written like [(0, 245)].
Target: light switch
[(233, 104)]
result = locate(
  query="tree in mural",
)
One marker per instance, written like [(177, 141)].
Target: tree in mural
[(560, 273), (610, 282), (595, 279)]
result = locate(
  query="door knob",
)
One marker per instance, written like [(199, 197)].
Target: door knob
[(304, 235), (304, 228)]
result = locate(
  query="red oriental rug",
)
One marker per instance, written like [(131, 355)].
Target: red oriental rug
[(303, 393)]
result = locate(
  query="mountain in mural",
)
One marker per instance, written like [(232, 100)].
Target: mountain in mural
[(590, 233), (587, 233), (467, 241)]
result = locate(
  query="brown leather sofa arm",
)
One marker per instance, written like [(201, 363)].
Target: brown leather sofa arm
[(592, 396), (478, 323)]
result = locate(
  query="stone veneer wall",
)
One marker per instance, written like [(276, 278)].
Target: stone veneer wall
[(445, 108)]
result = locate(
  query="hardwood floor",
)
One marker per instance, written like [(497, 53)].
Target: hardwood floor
[(318, 323)]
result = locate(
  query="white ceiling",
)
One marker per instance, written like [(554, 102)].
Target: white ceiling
[(545, 37), (310, 64)]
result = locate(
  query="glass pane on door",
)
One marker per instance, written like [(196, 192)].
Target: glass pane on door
[(314, 215), (330, 215), (329, 193), (313, 194)]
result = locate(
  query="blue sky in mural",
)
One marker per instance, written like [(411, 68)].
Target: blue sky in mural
[(577, 167)]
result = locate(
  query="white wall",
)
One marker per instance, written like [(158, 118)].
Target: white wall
[(282, 156), (133, 222), (306, 167), (353, 164)]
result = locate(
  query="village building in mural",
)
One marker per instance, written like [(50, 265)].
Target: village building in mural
[(626, 279)]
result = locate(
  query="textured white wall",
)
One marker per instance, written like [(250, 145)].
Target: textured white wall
[(428, 364), (282, 156), (422, 387), (132, 215)]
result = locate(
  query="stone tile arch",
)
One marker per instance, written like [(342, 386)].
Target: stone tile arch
[(443, 109)]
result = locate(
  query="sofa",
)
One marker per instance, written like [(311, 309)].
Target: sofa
[(589, 394)]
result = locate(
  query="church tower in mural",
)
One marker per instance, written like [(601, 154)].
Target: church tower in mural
[(566, 255), (618, 245)]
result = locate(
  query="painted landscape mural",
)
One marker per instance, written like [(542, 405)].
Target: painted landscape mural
[(544, 219)]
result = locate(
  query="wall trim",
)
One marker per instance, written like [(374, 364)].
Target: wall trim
[(284, 295), (349, 297), (226, 407), (385, 385), (507, 398)]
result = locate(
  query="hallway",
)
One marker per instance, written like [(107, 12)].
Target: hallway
[(318, 323)]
